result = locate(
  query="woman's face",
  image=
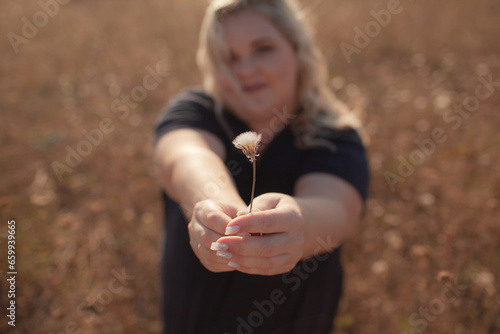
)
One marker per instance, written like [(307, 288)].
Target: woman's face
[(264, 65)]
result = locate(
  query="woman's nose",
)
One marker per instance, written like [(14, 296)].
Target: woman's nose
[(245, 67)]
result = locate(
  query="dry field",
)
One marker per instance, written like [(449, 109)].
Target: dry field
[(88, 212)]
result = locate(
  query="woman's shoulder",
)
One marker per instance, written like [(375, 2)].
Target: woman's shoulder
[(330, 138), (191, 108), (347, 135), (340, 152), (337, 132), (192, 104), (324, 129), (195, 95)]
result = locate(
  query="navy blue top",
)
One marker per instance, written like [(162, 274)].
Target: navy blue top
[(303, 300)]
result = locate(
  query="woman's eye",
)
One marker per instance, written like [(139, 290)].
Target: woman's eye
[(232, 59), (264, 49)]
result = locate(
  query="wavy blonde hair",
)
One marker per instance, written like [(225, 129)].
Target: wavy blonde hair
[(315, 97)]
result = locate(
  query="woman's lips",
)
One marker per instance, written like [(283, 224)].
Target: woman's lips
[(253, 88)]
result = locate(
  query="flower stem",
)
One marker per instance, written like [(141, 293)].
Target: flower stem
[(253, 184)]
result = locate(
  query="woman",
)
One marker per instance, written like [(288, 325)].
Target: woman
[(276, 270)]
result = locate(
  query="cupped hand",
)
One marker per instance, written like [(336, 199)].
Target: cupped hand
[(208, 224), (278, 217)]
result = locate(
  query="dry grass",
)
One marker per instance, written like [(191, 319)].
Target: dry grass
[(104, 216)]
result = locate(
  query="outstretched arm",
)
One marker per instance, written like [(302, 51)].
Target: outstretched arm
[(192, 169), (193, 174)]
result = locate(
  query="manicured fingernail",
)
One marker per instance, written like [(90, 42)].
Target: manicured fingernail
[(215, 246), (234, 265), (242, 212), (232, 230), (225, 255)]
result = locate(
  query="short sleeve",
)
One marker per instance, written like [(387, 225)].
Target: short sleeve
[(348, 161), (190, 109)]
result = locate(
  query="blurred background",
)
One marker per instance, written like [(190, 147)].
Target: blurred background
[(81, 83)]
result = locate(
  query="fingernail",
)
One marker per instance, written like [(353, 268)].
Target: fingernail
[(232, 229), (234, 265), (225, 255), (215, 246), (242, 212)]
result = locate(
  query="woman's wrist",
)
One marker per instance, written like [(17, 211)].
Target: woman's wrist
[(320, 229)]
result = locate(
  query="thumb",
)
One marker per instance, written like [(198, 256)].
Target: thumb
[(230, 209), (266, 201)]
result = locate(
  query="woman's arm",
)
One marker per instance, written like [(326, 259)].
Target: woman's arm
[(331, 209), (323, 212), (192, 169), (193, 174)]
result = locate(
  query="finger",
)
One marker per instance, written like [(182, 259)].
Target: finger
[(242, 212), (202, 235), (259, 246), (217, 221), (220, 268), (262, 266), (207, 256), (214, 257), (213, 217), (270, 221), (266, 201)]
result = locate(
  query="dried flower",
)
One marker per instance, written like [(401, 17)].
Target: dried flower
[(249, 142)]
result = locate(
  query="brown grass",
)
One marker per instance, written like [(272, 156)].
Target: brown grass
[(105, 216)]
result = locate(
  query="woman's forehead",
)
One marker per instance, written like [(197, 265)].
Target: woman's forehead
[(249, 27)]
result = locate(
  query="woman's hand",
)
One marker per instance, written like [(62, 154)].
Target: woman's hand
[(279, 218), (208, 224)]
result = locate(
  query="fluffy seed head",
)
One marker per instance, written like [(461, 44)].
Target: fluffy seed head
[(248, 142)]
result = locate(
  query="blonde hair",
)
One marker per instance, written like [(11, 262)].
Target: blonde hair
[(315, 97)]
